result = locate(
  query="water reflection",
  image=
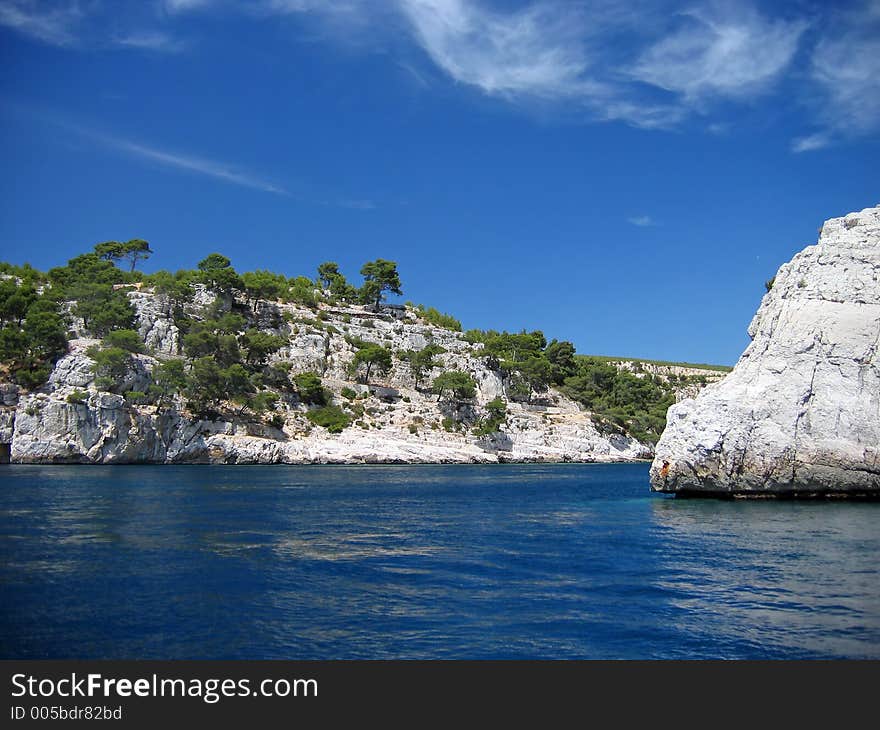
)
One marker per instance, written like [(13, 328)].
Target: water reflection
[(793, 578), (378, 562)]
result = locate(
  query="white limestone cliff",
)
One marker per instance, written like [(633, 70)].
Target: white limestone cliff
[(71, 420), (800, 413)]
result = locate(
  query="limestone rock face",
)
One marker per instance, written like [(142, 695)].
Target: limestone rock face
[(105, 429), (8, 394), (75, 368), (154, 323), (393, 419), (800, 412), (7, 425)]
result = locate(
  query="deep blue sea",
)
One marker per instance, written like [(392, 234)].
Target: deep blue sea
[(513, 561)]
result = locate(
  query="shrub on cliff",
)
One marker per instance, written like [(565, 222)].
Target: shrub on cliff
[(208, 384), (263, 284), (332, 280), (302, 291), (421, 362), (125, 339), (15, 300), (437, 318), (216, 272), (169, 379), (372, 357), (310, 389), (110, 365), (637, 405), (260, 345), (215, 338), (87, 268), (30, 349), (456, 383), (496, 415), (77, 397), (177, 287), (133, 251), (333, 418)]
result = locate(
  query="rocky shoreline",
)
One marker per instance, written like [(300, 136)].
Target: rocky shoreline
[(71, 420)]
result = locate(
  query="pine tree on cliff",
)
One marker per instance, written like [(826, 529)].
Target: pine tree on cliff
[(379, 276), (134, 250)]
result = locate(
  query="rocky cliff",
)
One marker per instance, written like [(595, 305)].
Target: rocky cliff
[(800, 413), (72, 420)]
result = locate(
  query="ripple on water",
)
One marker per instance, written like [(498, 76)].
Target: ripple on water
[(493, 561)]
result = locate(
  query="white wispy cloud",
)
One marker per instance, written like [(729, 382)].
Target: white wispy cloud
[(151, 41), (299, 190), (543, 51), (81, 24), (182, 6), (643, 221), (216, 169), (532, 51), (210, 168), (650, 63), (54, 23), (845, 74), (720, 50), (810, 142), (549, 51)]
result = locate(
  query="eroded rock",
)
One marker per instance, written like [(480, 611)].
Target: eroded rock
[(800, 413)]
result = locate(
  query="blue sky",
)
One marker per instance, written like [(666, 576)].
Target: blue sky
[(624, 175)]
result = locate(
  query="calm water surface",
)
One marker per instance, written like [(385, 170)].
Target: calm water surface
[(562, 561)]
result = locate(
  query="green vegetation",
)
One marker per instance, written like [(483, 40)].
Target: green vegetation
[(216, 273), (302, 291), (262, 284), (135, 250), (371, 356), (380, 276), (178, 287), (333, 418), (623, 401), (169, 379), (438, 319), (102, 308), (456, 383), (259, 345), (215, 338), (125, 340), (310, 389), (77, 397), (496, 415), (620, 400), (208, 384), (330, 279), (422, 362), (136, 397), (662, 363), (32, 332), (111, 365), (227, 345)]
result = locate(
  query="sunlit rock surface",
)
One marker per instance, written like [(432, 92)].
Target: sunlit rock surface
[(800, 413)]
